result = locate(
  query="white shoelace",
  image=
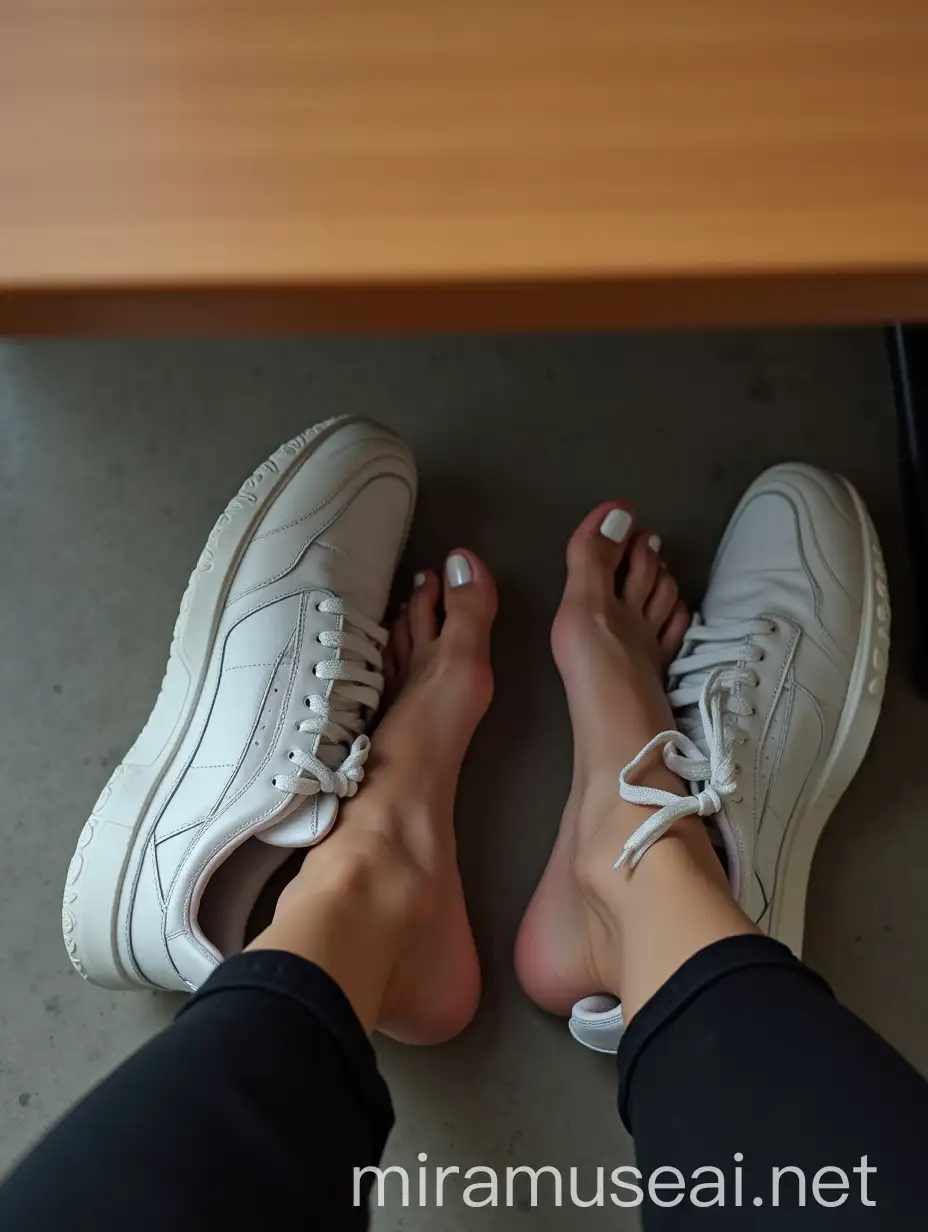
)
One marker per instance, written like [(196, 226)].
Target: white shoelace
[(714, 671), (336, 718)]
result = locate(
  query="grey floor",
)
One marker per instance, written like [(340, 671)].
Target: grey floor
[(114, 461)]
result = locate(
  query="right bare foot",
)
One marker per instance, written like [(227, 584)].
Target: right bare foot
[(612, 652)]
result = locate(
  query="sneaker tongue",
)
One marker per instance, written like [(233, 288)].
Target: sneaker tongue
[(309, 822), (687, 717), (311, 818), (690, 723)]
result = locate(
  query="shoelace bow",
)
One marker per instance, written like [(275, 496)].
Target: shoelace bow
[(724, 652), (335, 718)]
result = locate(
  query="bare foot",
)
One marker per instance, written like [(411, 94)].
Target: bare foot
[(612, 652), (439, 685)]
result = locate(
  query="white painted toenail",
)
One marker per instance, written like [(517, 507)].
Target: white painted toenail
[(655, 543), (616, 525), (418, 581), (458, 570)]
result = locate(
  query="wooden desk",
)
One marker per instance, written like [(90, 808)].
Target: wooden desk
[(210, 165)]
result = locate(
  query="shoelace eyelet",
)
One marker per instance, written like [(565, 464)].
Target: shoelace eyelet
[(290, 755)]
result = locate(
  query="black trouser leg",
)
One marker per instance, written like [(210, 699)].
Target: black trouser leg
[(746, 1051), (257, 1106), (251, 1111)]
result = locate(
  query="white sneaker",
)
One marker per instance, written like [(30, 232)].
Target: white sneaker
[(776, 693), (273, 672)]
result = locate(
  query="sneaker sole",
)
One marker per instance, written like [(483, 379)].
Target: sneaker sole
[(90, 917), (855, 730)]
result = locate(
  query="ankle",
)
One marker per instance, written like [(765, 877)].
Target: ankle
[(371, 869), (405, 835), (351, 911), (650, 919), (608, 821)]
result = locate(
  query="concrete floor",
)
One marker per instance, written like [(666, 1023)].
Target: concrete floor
[(114, 462)]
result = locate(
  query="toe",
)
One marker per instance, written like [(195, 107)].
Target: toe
[(662, 600), (596, 548), (423, 623), (643, 569), (391, 671), (671, 638), (470, 604), (400, 644)]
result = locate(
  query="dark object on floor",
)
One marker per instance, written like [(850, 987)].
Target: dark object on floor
[(908, 361)]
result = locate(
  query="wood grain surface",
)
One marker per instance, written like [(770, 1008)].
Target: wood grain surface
[(227, 164)]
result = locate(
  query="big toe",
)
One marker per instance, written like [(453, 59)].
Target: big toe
[(596, 549), (470, 605)]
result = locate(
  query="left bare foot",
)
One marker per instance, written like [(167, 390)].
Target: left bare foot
[(441, 683)]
